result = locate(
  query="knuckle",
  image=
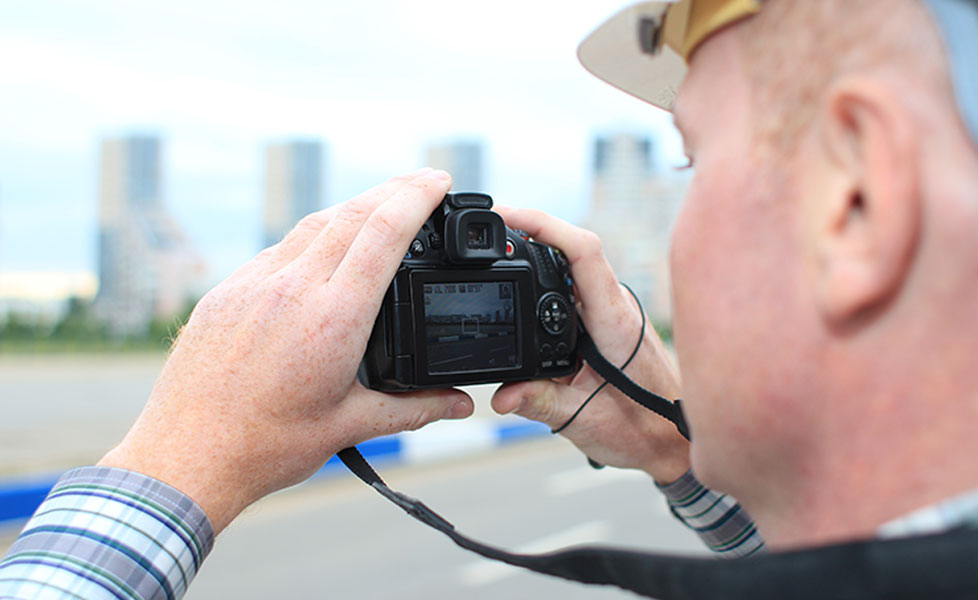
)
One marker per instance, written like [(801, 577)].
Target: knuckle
[(314, 221), (210, 309), (426, 186), (267, 253), (403, 178), (415, 423), (540, 405), (354, 211), (385, 226), (590, 244), (417, 419)]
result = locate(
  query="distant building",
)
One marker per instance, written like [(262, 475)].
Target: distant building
[(633, 207), (293, 186), (147, 266), (464, 160)]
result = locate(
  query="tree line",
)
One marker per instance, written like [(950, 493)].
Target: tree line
[(78, 330)]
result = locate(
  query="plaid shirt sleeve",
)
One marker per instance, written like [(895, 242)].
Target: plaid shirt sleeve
[(717, 518), (108, 533)]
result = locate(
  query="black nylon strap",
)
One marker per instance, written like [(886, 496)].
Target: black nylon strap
[(671, 411), (939, 567)]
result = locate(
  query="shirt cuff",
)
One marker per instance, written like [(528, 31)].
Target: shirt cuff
[(717, 518), (104, 532)]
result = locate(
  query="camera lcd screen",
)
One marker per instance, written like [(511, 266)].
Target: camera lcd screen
[(470, 326)]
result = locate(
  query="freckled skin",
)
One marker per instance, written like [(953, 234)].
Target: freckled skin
[(260, 388)]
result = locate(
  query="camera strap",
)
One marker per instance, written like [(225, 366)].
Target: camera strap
[(670, 411), (933, 567)]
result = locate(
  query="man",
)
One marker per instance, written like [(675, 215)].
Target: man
[(824, 275), (823, 268)]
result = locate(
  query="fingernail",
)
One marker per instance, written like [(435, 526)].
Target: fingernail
[(439, 174)]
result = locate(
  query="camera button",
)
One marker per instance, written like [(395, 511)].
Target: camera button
[(417, 248), (434, 240), (553, 313), (563, 350), (546, 352), (561, 259), (510, 249)]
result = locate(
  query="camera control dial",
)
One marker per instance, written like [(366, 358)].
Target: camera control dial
[(553, 312)]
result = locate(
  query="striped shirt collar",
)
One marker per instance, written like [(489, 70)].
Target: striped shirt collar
[(961, 510)]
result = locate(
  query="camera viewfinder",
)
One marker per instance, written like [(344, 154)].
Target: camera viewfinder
[(479, 237)]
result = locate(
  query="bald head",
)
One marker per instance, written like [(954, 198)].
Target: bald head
[(794, 50)]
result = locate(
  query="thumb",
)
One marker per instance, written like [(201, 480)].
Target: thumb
[(413, 410), (535, 400)]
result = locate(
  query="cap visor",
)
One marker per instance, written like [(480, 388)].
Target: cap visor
[(613, 53)]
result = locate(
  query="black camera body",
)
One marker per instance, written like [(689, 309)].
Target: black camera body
[(473, 302)]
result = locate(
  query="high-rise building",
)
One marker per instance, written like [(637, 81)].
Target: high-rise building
[(633, 207), (147, 266), (293, 185), (463, 159)]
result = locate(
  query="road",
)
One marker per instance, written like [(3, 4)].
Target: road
[(340, 539), (57, 412), (335, 537)]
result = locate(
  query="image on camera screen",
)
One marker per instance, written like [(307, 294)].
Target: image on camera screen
[(470, 326)]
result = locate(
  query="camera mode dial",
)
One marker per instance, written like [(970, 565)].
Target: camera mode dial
[(553, 312)]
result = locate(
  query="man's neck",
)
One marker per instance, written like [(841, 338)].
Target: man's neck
[(858, 505), (898, 450)]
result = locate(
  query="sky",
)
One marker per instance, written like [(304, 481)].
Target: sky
[(217, 80)]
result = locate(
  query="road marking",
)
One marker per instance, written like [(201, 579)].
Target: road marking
[(485, 572), (586, 478)]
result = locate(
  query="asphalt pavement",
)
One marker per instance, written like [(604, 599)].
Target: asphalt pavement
[(336, 538), (339, 539), (62, 411)]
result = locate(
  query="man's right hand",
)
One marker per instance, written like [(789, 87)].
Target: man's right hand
[(261, 387), (613, 429)]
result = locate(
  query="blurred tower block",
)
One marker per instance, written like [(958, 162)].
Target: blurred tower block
[(633, 207), (147, 266), (463, 159), (293, 186)]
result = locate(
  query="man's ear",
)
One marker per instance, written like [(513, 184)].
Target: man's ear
[(863, 212)]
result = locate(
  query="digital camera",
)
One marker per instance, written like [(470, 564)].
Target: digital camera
[(473, 302)]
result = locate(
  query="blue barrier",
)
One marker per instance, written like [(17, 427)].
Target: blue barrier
[(382, 449), (508, 434), (20, 497)]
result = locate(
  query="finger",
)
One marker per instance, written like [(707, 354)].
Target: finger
[(409, 411), (508, 397), (606, 310), (593, 277), (324, 250), (535, 400), (270, 259), (376, 253), (301, 236)]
